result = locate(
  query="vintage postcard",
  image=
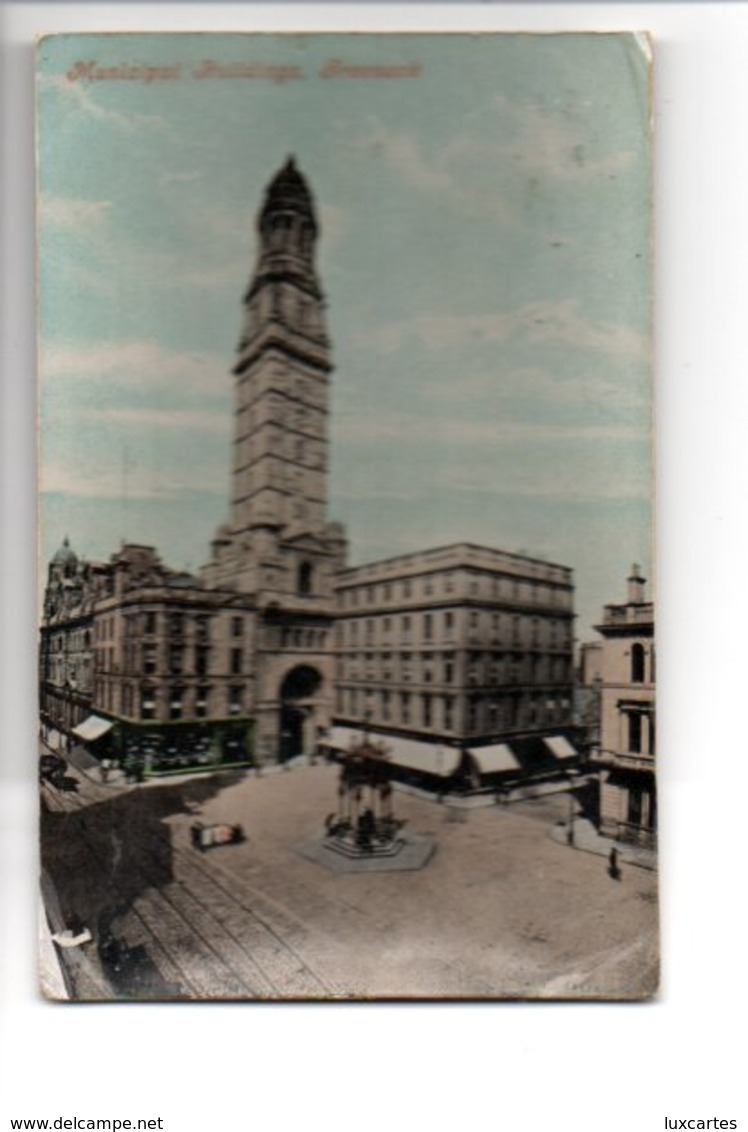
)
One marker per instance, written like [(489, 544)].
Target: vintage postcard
[(347, 665)]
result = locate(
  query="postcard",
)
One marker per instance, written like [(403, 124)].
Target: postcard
[(346, 652)]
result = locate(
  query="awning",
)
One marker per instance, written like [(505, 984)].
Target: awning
[(560, 747), (492, 760), (342, 738), (431, 758), (93, 728)]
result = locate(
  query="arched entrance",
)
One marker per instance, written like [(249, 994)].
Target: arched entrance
[(298, 696)]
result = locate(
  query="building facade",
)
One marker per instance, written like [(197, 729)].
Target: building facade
[(278, 643), (463, 647), (628, 796)]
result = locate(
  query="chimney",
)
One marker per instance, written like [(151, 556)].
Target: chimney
[(636, 586)]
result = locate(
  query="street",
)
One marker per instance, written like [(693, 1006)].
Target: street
[(501, 910)]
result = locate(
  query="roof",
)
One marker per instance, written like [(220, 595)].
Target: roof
[(288, 189)]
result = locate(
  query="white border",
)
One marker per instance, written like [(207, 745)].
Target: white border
[(557, 1067)]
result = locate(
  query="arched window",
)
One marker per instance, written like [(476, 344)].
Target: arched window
[(305, 578), (637, 664)]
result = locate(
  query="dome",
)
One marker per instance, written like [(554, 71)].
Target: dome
[(65, 556)]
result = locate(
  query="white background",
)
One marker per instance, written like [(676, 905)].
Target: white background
[(438, 1066)]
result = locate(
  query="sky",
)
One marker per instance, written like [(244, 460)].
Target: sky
[(484, 251)]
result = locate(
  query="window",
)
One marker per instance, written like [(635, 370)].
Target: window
[(449, 621), (149, 660), (634, 807), (147, 704), (176, 659), (406, 671), (427, 626), (150, 622), (385, 706), (202, 625), (236, 699), (175, 703), (201, 702), (176, 623), (426, 701), (449, 669), (635, 732), (406, 588), (305, 579), (236, 662), (448, 713), (637, 664), (405, 707), (237, 626), (201, 661)]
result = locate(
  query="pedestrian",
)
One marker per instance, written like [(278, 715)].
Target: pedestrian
[(613, 870)]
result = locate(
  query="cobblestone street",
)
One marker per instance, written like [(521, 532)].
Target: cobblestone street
[(501, 910)]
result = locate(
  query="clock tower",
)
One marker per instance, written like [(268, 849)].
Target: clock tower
[(278, 545)]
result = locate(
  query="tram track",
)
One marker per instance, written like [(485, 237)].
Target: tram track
[(208, 935)]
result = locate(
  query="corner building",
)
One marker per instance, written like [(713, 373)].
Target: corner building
[(628, 795), (278, 647), (459, 658)]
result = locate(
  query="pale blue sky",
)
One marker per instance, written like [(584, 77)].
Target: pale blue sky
[(484, 251)]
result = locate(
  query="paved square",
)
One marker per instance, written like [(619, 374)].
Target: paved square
[(501, 910)]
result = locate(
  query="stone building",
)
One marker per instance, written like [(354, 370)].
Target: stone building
[(145, 662), (278, 646), (628, 797), (251, 638), (461, 649)]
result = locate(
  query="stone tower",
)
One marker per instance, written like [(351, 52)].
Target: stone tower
[(278, 545)]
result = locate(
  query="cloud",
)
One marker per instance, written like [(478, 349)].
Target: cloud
[(182, 420), (542, 142), (555, 322), (119, 483), (567, 484), (537, 142), (540, 386), (74, 214), (80, 99), (128, 366), (405, 155), (412, 429)]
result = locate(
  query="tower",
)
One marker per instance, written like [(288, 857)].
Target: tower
[(279, 464), (278, 547)]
